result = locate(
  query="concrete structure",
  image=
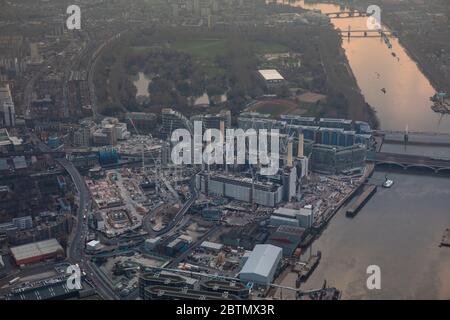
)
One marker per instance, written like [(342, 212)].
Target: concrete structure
[(262, 264), (37, 251), (19, 162), (287, 237), (120, 128), (271, 78), (335, 123), (150, 244), (332, 159), (298, 120), (306, 216), (82, 137), (144, 122), (293, 217), (211, 246), (35, 56), (211, 214), (220, 121), (255, 120), (237, 289), (122, 131), (276, 220), (172, 120), (109, 132), (93, 245), (23, 222), (235, 187), (289, 177), (99, 221)]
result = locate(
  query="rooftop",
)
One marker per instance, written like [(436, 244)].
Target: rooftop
[(36, 249), (261, 259), (270, 74), (287, 212)]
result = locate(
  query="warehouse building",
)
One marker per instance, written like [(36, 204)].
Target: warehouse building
[(211, 246), (262, 264), (287, 238), (37, 251), (293, 217)]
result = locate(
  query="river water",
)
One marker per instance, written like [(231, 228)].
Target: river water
[(407, 98), (400, 228)]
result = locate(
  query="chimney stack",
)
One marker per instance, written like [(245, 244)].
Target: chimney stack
[(301, 143), (289, 154), (222, 130)]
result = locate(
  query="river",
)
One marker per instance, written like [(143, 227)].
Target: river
[(400, 228), (407, 98)]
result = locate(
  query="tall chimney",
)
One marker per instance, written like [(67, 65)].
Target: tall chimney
[(301, 143), (222, 141), (222, 130), (289, 153)]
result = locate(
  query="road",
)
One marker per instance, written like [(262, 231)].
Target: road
[(75, 245), (179, 216), (75, 249), (91, 68)]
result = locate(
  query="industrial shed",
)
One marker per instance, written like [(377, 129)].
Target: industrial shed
[(262, 264), (37, 251)]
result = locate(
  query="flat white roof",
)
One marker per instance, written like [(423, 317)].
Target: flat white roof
[(153, 240), (270, 74), (93, 243), (36, 249), (211, 245), (262, 260), (286, 212)]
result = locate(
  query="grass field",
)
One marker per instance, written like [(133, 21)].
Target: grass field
[(263, 48), (203, 49), (208, 49), (138, 49)]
